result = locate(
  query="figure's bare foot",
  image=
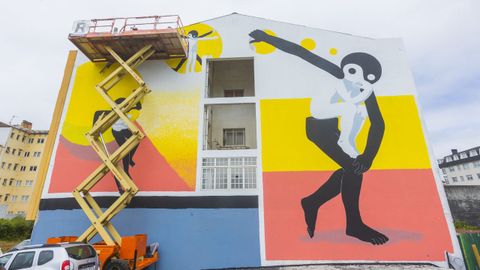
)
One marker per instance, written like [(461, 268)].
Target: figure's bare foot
[(310, 211), (367, 234)]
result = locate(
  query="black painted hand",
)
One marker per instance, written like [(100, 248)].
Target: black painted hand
[(361, 164), (258, 36)]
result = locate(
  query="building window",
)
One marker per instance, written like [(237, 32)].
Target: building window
[(229, 173), (15, 166), (444, 171), (23, 138), (7, 150), (469, 177), (3, 165), (449, 159), (40, 140), (36, 154), (463, 155), (459, 168), (22, 213), (6, 197), (455, 157), (4, 183), (18, 183), (10, 183), (476, 164), (27, 154), (33, 168), (30, 140), (14, 151), (230, 78), (14, 198), (233, 93), (478, 175), (454, 179), (9, 166), (466, 166), (20, 152), (25, 198), (12, 134), (473, 153), (462, 178), (229, 127), (23, 168), (18, 137), (29, 183), (233, 137)]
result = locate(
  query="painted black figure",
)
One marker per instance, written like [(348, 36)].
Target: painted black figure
[(121, 133), (193, 56), (356, 76)]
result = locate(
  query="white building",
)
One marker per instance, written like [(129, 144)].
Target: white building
[(461, 168)]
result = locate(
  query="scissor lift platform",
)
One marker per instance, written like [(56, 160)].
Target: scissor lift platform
[(126, 36), (129, 42)]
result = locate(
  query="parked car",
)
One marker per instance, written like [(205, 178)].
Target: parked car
[(62, 256)]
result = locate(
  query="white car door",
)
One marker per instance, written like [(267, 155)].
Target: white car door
[(23, 260)]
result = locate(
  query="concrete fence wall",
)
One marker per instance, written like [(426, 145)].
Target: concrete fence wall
[(464, 203)]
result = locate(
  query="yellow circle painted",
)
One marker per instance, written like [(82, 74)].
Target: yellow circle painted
[(333, 51), (263, 47), (203, 41), (308, 44), (85, 101)]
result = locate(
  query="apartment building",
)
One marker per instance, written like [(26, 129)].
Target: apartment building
[(461, 168), (20, 156)]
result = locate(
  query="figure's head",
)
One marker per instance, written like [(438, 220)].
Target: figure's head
[(361, 67), (192, 34)]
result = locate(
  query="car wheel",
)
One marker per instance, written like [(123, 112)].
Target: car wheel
[(117, 265)]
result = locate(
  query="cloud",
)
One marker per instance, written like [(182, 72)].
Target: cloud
[(441, 38)]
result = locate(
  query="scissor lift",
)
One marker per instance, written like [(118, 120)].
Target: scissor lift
[(112, 40)]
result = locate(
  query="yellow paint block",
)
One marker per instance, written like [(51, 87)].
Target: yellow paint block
[(285, 146)]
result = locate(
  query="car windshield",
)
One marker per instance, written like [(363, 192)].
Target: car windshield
[(81, 252)]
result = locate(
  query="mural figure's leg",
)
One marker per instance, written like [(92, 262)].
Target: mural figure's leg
[(347, 123), (326, 192), (351, 187), (358, 122), (325, 134), (127, 134), (120, 139), (190, 63)]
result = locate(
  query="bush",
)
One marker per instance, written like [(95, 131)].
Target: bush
[(16, 228), (461, 224)]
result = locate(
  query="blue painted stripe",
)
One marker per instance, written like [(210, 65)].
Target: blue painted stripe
[(188, 238)]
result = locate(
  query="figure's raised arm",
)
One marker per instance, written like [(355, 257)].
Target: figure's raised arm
[(297, 50)]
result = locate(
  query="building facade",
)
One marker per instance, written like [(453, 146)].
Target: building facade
[(243, 150), (22, 148), (461, 168)]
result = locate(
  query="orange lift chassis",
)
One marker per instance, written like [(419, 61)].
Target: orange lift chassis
[(138, 39)]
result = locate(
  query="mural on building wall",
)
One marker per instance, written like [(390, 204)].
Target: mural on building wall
[(345, 169), (357, 74), (203, 40), (166, 159), (339, 137)]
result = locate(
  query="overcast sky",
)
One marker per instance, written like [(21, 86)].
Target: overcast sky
[(442, 39)]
